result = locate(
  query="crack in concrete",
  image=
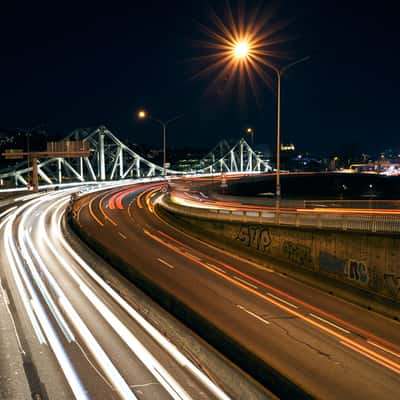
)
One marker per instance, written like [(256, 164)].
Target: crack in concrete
[(315, 349)]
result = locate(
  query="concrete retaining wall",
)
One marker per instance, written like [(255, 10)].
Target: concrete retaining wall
[(361, 264)]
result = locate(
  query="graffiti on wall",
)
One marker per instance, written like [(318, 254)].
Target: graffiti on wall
[(254, 236), (353, 270), (298, 254), (356, 271), (392, 284)]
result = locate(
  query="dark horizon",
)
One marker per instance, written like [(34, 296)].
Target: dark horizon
[(81, 66)]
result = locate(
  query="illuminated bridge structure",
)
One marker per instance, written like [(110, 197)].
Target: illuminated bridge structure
[(111, 159), (239, 158)]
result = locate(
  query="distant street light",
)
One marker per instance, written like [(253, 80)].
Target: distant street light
[(243, 51), (142, 114), (250, 131)]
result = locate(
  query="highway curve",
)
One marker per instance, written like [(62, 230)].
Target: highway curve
[(77, 336), (327, 347)]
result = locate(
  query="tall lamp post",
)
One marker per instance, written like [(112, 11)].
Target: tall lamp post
[(279, 74), (142, 114), (242, 51)]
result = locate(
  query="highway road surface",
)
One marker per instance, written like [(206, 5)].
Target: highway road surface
[(77, 336), (329, 348)]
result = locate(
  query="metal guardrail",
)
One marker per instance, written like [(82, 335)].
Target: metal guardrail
[(358, 222)]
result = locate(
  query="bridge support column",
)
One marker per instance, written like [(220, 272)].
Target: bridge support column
[(35, 177), (59, 171), (102, 166)]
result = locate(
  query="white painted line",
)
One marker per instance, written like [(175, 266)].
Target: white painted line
[(165, 263), (283, 301), (329, 323), (383, 349), (217, 268), (253, 314), (122, 235), (245, 282)]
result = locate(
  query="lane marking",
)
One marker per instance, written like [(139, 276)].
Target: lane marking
[(339, 336), (165, 263), (329, 323), (217, 268), (245, 282), (283, 301), (350, 326), (253, 314), (122, 235), (383, 348)]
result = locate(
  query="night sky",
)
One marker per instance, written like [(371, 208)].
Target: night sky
[(66, 65)]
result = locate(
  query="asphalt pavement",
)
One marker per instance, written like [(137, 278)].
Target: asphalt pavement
[(328, 347)]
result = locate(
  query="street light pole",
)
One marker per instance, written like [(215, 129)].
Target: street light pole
[(279, 74), (142, 115), (164, 129)]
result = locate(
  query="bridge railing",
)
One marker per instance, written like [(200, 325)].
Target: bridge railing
[(346, 221)]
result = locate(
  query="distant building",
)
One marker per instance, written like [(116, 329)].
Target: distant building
[(288, 147)]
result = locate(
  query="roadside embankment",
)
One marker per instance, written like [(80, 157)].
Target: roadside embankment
[(362, 267)]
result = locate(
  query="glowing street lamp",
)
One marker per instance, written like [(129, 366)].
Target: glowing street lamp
[(244, 52), (142, 114), (250, 131), (241, 49)]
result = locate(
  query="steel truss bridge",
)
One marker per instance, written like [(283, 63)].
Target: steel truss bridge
[(110, 159)]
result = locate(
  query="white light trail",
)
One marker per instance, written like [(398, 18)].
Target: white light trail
[(153, 332), (38, 318), (166, 380), (119, 384)]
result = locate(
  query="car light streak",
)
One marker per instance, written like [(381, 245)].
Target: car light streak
[(166, 380), (92, 212), (120, 386), (24, 237), (7, 212), (362, 348), (41, 323), (46, 295), (153, 332), (353, 328), (86, 335), (371, 357), (11, 252)]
